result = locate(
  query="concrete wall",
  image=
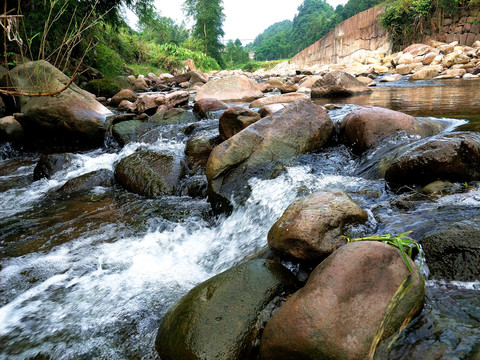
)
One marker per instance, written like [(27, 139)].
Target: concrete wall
[(355, 39)]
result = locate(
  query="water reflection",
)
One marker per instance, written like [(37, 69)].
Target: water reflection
[(441, 98)]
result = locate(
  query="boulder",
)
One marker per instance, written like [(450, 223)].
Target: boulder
[(234, 120), (453, 157), (219, 318), (198, 77), (405, 59), (418, 49), (140, 85), (338, 83), (173, 99), (428, 58), (455, 72), (309, 81), (204, 106), (167, 116), (199, 148), (405, 69), (123, 82), (11, 130), (233, 88), (364, 127), (278, 99), (149, 173), (300, 128), (453, 251), (312, 227), (125, 94), (288, 87), (87, 182), (367, 81), (339, 311), (268, 110), (50, 164), (73, 116), (276, 81), (425, 73)]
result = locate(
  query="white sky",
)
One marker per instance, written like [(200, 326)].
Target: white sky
[(245, 19)]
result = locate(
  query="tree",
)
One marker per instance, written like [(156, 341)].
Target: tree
[(208, 17), (235, 54)]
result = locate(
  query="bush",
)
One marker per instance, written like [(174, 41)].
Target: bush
[(106, 88)]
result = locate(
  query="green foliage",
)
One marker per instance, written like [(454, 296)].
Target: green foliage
[(403, 242), (208, 17), (235, 55), (170, 56)]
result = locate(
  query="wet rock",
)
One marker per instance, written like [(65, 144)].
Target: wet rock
[(278, 99), (124, 82), (364, 127), (140, 85), (454, 157), (195, 186), (102, 88), (48, 165), (440, 188), (149, 173), (125, 94), (199, 148), (172, 116), (233, 88), (258, 150), (338, 83), (11, 130), (217, 319), (204, 106), (234, 120), (312, 227), (173, 99), (405, 69), (366, 80), (337, 314), (87, 182), (71, 117), (288, 87), (453, 251), (127, 131)]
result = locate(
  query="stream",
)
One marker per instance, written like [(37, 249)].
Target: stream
[(89, 276)]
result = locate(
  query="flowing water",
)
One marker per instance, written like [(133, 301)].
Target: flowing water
[(90, 276)]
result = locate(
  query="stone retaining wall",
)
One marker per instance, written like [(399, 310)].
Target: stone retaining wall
[(355, 39)]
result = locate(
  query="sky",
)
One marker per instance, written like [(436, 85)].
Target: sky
[(245, 19)]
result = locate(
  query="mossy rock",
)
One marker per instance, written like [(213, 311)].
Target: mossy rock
[(102, 87), (217, 319)]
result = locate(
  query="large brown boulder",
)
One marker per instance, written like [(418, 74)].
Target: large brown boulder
[(72, 114), (339, 311), (232, 88), (312, 227), (234, 120), (454, 157), (428, 72), (204, 106), (11, 130), (149, 173), (338, 83), (364, 127), (278, 99), (219, 318), (257, 150)]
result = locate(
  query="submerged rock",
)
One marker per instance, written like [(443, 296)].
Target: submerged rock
[(218, 318), (454, 157), (50, 164), (312, 227), (364, 127), (149, 173), (87, 182), (338, 312), (256, 151), (338, 83), (453, 251)]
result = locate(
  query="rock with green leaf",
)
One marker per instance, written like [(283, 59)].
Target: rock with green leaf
[(359, 296)]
